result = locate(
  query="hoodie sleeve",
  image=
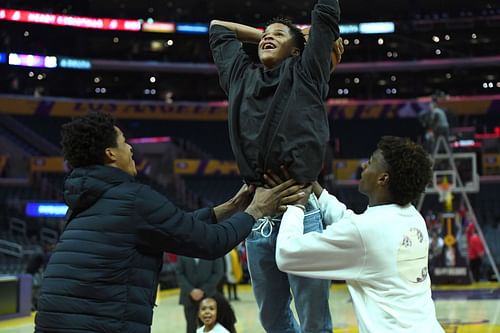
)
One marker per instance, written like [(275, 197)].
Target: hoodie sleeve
[(228, 54), (324, 31), (331, 208), (338, 253), (168, 228)]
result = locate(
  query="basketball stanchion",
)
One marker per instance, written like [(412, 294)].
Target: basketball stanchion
[(447, 182)]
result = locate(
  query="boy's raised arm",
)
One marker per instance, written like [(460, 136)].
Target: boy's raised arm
[(245, 33), (322, 38)]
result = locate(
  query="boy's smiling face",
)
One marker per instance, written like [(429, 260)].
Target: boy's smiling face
[(276, 45)]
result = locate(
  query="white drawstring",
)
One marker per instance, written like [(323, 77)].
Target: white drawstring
[(266, 223)]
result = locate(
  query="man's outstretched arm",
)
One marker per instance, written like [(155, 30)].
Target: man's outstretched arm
[(245, 33)]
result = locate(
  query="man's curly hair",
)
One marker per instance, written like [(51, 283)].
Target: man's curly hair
[(85, 139), (297, 35), (410, 168)]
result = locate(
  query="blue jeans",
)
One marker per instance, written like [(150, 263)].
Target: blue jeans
[(272, 287)]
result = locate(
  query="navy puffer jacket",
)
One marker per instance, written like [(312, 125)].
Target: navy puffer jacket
[(103, 274)]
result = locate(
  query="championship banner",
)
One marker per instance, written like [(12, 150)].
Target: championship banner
[(217, 111), (195, 167)]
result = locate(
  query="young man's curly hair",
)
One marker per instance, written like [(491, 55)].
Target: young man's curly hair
[(297, 35), (410, 168), (85, 139)]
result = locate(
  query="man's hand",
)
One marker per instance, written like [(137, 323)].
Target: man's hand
[(242, 199), (272, 180), (236, 204), (196, 294), (317, 189), (267, 201)]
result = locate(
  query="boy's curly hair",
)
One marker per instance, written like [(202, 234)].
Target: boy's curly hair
[(85, 139), (410, 168), (297, 35)]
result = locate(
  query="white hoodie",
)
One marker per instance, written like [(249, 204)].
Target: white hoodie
[(382, 254)]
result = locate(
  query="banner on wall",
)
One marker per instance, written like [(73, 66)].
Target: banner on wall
[(62, 107), (195, 167), (343, 169), (56, 164), (217, 111), (347, 169), (48, 164)]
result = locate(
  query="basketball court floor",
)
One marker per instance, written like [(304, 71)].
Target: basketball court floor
[(460, 309)]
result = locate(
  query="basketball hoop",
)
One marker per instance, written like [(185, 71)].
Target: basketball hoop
[(444, 190), (444, 183)]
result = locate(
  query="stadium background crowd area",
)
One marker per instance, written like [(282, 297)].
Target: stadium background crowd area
[(163, 88)]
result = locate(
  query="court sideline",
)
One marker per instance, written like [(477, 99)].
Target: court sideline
[(460, 309)]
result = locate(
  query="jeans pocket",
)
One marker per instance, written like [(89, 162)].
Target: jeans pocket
[(312, 222)]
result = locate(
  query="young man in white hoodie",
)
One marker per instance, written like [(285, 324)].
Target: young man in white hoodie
[(382, 253)]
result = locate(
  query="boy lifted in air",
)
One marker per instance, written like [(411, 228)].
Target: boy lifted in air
[(277, 117)]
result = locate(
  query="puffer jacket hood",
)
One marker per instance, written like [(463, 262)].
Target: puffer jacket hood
[(84, 186)]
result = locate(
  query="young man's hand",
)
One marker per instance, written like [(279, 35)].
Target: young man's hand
[(269, 201), (272, 180), (242, 199)]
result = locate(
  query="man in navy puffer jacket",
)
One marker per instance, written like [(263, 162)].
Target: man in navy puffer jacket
[(103, 274)]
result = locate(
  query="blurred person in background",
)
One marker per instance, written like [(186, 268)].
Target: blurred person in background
[(103, 273), (233, 274), (475, 251), (36, 266), (435, 122), (197, 278)]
